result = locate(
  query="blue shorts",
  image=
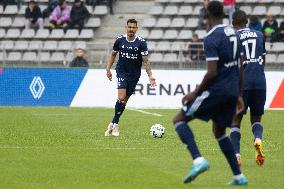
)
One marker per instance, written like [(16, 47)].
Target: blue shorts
[(127, 84), (206, 106), (255, 100)]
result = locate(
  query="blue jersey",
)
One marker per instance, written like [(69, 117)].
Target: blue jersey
[(130, 56), (253, 48), (222, 45)]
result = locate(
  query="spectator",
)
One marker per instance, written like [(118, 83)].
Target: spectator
[(255, 24), (281, 31), (79, 60), (203, 15), (93, 3), (33, 15), (229, 8), (270, 29), (79, 13), (51, 5), (195, 49), (60, 16)]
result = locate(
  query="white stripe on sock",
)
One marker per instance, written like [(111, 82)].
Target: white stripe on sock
[(222, 137), (179, 123), (235, 129)]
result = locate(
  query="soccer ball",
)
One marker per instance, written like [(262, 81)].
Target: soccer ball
[(157, 131)]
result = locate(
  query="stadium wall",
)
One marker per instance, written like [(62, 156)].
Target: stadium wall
[(91, 88)]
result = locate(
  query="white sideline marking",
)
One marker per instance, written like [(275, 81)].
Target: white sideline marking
[(145, 112)]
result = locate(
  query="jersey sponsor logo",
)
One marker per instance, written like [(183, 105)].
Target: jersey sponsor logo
[(278, 100), (231, 64), (129, 55), (248, 34), (37, 87)]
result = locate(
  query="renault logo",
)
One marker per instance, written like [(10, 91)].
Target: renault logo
[(37, 87)]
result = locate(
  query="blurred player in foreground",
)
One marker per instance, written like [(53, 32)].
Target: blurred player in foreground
[(216, 98)]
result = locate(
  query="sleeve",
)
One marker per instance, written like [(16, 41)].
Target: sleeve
[(27, 13), (240, 47), (115, 47), (66, 14), (54, 14), (144, 48), (210, 49)]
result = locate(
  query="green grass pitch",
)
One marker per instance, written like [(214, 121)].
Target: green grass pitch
[(66, 148)]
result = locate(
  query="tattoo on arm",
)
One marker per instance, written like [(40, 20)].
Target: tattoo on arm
[(147, 65)]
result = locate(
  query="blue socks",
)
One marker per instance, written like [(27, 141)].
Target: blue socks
[(257, 130), (235, 136), (228, 150), (119, 108), (186, 136)]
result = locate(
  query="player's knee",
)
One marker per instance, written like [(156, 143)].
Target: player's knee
[(218, 131), (121, 99)]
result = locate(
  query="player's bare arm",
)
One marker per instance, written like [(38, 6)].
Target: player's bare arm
[(147, 66), (209, 76), (109, 64)]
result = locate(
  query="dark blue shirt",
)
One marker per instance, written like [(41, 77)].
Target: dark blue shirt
[(130, 56), (253, 48), (222, 45)]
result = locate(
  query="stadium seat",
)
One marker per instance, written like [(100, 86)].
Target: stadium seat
[(163, 22), (247, 9), (14, 56), (270, 58), (191, 1), (201, 33), (277, 47), (171, 10), (267, 1), (11, 9), (35, 45), (43, 7), (177, 23), (149, 22), (19, 22), (13, 33), (93, 23), (170, 34), (50, 45), (162, 1), (80, 44), (29, 56), (5, 22), (151, 45), (156, 34), (156, 10), (21, 45), (44, 56), (28, 33), (185, 10), (276, 10), (192, 23), (280, 59), (177, 46), (156, 57), (71, 34), (196, 10), (1, 9), (163, 46), (100, 10), (2, 56), (170, 58), (42, 34), (57, 57), (259, 10), (143, 33), (90, 9), (176, 1), (185, 34), (23, 10), (7, 44), (86, 34), (56, 34), (65, 45), (2, 33), (268, 46)]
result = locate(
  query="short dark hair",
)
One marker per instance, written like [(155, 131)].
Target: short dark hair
[(215, 9), (132, 20), (240, 18)]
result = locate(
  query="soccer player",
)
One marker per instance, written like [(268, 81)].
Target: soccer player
[(254, 93), (132, 51), (216, 98)]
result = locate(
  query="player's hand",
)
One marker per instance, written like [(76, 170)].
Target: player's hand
[(152, 81), (240, 105), (190, 96), (109, 75)]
